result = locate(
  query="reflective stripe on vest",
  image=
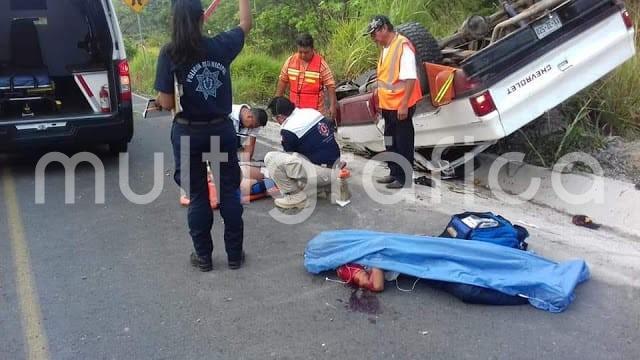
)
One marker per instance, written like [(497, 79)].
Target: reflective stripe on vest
[(390, 88), (305, 84)]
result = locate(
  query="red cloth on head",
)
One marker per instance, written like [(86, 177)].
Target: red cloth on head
[(347, 272)]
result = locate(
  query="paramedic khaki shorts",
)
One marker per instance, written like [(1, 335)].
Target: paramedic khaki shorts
[(287, 170)]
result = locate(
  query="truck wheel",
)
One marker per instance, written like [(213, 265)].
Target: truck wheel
[(427, 49)]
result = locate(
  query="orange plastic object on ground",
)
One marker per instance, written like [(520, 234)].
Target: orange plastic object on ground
[(213, 197)]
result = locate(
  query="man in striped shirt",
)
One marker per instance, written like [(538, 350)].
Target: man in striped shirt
[(308, 76)]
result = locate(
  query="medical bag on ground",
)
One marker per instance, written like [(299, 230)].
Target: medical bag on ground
[(487, 227)]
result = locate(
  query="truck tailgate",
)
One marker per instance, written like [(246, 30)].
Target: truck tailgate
[(544, 83)]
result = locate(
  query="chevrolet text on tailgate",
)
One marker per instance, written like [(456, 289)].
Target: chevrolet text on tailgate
[(522, 83), (537, 57)]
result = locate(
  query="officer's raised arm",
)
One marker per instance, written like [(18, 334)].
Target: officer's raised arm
[(245, 16)]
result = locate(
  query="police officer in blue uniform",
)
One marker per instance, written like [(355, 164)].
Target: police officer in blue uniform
[(193, 79)]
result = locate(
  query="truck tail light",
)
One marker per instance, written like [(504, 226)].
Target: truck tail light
[(483, 104)]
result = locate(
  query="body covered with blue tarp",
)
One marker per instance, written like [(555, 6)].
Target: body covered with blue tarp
[(546, 284)]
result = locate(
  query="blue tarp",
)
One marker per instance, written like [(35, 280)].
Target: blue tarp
[(547, 285)]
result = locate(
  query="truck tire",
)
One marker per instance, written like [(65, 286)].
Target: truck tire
[(427, 49)]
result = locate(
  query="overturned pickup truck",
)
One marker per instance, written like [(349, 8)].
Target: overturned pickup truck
[(494, 76)]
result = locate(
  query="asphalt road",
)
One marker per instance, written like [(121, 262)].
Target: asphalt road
[(112, 281)]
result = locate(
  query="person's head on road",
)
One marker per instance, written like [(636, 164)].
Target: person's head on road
[(305, 47), (381, 30), (186, 31), (281, 108), (253, 118)]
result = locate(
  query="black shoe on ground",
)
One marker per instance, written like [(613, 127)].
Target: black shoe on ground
[(201, 263), (385, 179), (395, 185), (237, 264)]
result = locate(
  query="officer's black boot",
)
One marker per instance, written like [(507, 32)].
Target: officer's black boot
[(204, 264)]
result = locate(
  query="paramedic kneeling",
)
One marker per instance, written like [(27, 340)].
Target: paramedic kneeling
[(308, 141)]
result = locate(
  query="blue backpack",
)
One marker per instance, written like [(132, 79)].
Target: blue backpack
[(487, 227)]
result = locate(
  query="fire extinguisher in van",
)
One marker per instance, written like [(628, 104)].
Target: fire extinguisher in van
[(105, 102)]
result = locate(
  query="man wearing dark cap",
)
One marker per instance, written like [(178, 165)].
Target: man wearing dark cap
[(398, 92)]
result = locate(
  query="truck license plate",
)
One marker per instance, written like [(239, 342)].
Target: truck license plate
[(547, 26)]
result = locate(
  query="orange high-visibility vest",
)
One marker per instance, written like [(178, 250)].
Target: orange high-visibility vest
[(390, 87), (305, 86)]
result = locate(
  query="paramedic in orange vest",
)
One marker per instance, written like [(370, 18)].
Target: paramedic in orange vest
[(398, 93), (307, 75)]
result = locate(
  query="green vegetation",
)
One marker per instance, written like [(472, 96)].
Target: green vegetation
[(254, 76), (335, 24), (143, 69)]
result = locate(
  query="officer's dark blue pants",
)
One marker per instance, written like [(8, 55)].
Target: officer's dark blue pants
[(400, 139), (200, 215)]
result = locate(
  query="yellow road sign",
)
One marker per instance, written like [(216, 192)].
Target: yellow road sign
[(136, 5)]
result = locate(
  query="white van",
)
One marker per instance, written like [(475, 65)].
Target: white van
[(64, 76)]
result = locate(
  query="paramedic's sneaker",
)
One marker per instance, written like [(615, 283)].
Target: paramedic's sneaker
[(385, 179), (292, 201), (201, 263)]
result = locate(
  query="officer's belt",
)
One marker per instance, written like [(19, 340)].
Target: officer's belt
[(213, 121)]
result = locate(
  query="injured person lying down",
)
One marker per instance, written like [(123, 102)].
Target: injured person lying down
[(366, 278), (480, 258)]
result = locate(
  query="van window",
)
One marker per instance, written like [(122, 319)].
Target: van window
[(28, 4)]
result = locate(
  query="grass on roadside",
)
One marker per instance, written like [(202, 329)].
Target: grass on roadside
[(143, 69), (350, 54), (254, 76)]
